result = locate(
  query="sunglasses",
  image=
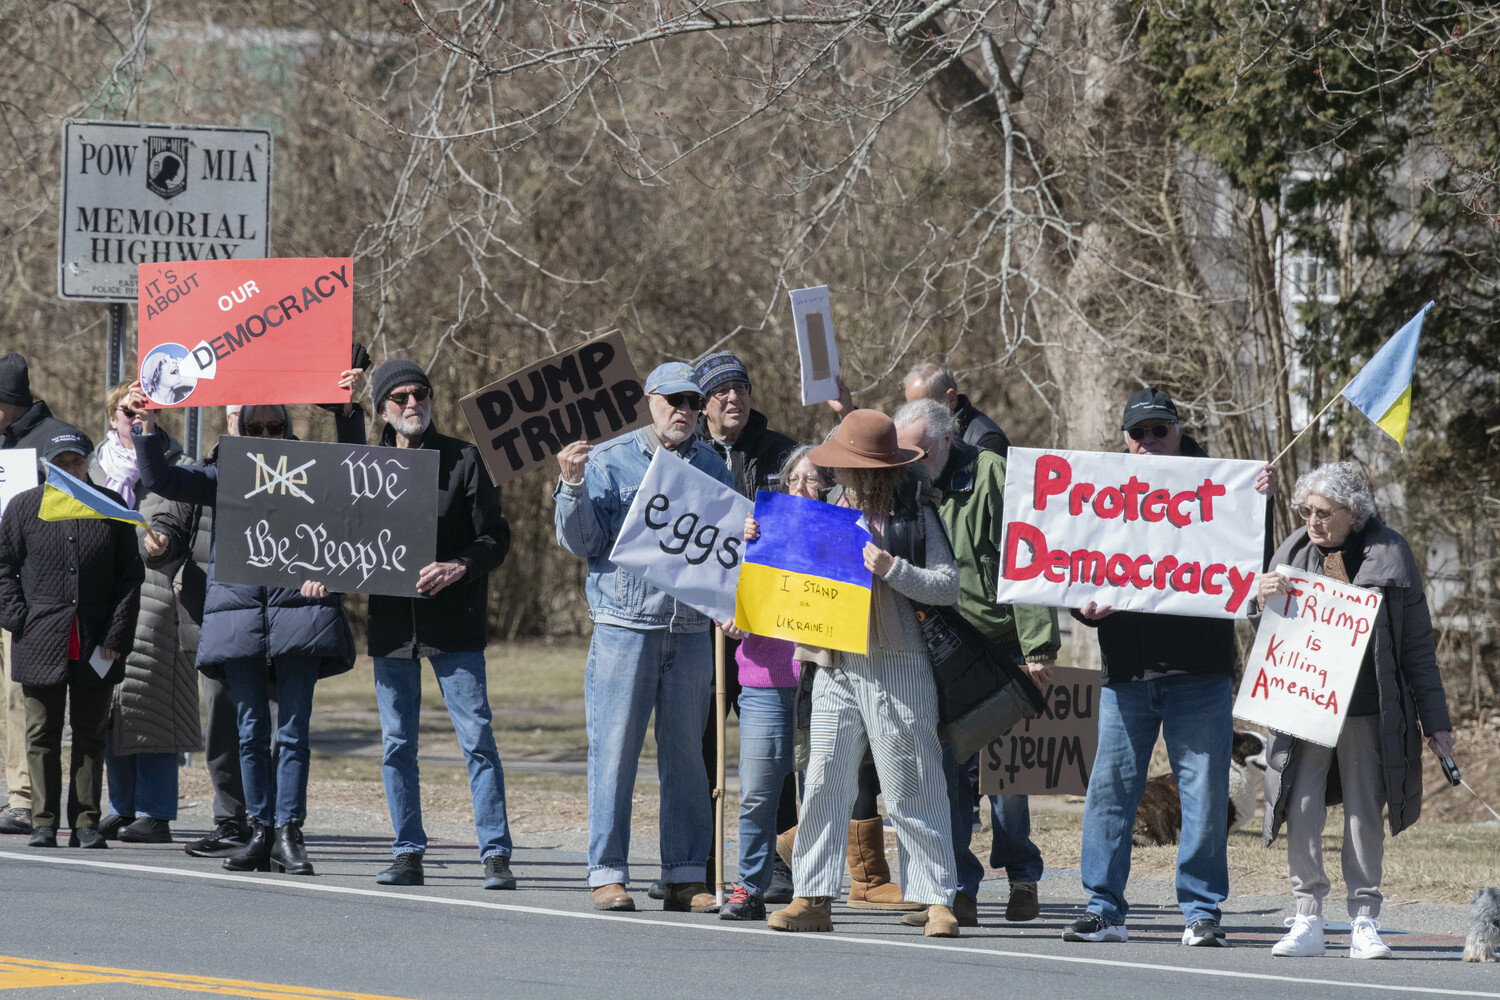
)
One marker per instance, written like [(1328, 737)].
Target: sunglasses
[(1317, 514), (722, 392), (420, 393), (129, 413), (1159, 431), (678, 400), (274, 428)]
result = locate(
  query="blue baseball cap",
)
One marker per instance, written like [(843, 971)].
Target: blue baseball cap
[(674, 376)]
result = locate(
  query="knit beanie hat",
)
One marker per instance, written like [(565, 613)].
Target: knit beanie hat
[(396, 371), (718, 368), (15, 381)]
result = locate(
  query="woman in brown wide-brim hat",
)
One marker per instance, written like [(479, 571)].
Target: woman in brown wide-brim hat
[(885, 699)]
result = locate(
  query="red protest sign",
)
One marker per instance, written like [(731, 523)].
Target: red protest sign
[(224, 332)]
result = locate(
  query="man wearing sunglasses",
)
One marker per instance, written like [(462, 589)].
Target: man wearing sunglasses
[(648, 651), (447, 626), (25, 423), (1167, 674)]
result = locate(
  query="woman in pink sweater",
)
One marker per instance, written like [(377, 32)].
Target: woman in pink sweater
[(768, 677)]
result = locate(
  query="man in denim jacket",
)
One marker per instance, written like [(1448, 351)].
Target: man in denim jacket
[(648, 652)]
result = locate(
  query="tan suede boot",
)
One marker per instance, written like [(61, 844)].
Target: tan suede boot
[(785, 844), (941, 922), (806, 913), (869, 874)]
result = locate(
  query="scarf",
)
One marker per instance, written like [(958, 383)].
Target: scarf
[(121, 467)]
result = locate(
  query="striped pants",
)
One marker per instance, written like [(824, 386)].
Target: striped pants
[(885, 701)]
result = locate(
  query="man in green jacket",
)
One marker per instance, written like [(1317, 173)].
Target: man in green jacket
[(972, 484)]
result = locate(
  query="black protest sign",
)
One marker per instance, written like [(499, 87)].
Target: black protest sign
[(587, 393), (1052, 754), (357, 519)]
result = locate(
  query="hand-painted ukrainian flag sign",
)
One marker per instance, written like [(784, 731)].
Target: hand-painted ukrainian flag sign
[(69, 499), (1382, 389), (804, 578)]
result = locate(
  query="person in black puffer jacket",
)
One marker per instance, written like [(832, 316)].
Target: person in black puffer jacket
[(69, 596), (251, 634)]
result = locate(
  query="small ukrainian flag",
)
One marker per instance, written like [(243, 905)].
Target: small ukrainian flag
[(1382, 389), (69, 499)]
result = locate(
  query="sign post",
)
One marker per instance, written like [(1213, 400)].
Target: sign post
[(139, 192)]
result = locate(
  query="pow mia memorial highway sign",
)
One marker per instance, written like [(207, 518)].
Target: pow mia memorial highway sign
[(357, 519), (138, 193)]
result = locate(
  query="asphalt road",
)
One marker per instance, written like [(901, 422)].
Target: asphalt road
[(150, 922)]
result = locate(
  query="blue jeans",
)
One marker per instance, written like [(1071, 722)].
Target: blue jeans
[(630, 672), (766, 758), (961, 813), (249, 686), (141, 784), (398, 692), (1011, 847), (1193, 714)]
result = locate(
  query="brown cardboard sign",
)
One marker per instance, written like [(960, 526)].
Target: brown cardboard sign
[(587, 393), (1052, 754)]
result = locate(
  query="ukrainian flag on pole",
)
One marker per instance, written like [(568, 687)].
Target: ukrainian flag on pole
[(69, 499), (1382, 389)]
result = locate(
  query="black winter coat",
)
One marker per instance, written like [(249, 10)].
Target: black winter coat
[(52, 571), (755, 457), (37, 427), (974, 428), (470, 529), (241, 621)]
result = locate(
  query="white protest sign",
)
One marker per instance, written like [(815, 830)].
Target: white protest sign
[(685, 534), (1307, 654), (1135, 532), (17, 473), (817, 352)]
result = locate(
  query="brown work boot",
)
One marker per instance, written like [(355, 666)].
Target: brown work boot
[(785, 844), (1022, 904), (941, 922), (806, 913), (612, 897), (870, 885), (964, 908), (688, 897)]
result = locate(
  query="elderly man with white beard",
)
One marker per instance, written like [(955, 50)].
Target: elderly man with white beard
[(447, 626)]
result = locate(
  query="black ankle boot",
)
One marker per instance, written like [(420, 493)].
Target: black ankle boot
[(254, 856), (287, 852)]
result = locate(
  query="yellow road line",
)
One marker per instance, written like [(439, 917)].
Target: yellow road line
[(17, 973)]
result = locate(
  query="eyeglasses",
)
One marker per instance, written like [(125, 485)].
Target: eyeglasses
[(796, 481), (678, 400), (1317, 514), (1159, 431), (274, 428), (420, 393), (723, 391), (129, 413)]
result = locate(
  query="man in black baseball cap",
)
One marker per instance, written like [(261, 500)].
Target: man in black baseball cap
[(1157, 668), (25, 422)]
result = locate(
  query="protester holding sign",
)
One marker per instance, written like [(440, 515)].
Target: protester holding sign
[(972, 483), (755, 454), (70, 594), (768, 676), (648, 651), (447, 626), (26, 423), (1379, 750), (154, 716), (248, 631), (884, 699), (1167, 674)]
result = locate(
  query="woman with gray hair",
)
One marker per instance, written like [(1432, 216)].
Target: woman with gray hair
[(1378, 760)]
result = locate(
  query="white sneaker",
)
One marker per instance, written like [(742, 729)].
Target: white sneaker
[(1304, 940), (1364, 940)]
